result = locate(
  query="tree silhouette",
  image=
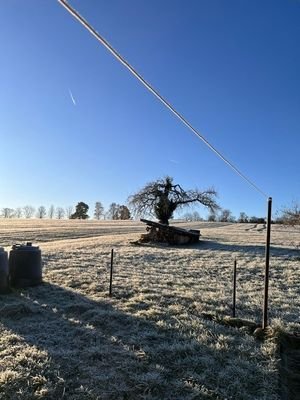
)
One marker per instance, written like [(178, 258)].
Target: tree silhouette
[(243, 217), (18, 212), (51, 211), (81, 211), (291, 215), (123, 212), (41, 212), (28, 211), (117, 211), (59, 212), (162, 197), (112, 212), (68, 211), (99, 210), (7, 212), (226, 216)]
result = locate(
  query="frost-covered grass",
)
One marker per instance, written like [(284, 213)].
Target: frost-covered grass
[(68, 339)]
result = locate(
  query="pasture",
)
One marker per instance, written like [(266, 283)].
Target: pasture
[(67, 339)]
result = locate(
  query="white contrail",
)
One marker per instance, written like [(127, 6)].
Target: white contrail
[(72, 97)]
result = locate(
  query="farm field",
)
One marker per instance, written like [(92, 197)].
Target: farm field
[(67, 339)]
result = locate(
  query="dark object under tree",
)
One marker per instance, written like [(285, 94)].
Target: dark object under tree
[(162, 233)]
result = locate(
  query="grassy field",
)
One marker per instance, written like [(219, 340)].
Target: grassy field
[(67, 339)]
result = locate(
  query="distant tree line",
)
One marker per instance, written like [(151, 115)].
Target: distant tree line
[(115, 212), (287, 216), (224, 215), (159, 199)]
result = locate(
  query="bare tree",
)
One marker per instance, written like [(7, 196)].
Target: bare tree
[(28, 211), (291, 215), (18, 212), (192, 216), (117, 211), (161, 198), (112, 212), (51, 211), (196, 216), (226, 216), (99, 210), (59, 212), (188, 216), (7, 212), (69, 211), (243, 217), (212, 217), (41, 212)]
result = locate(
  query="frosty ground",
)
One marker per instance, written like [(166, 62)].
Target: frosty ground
[(68, 339)]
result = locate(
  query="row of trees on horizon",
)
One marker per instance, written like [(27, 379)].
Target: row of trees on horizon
[(159, 199), (116, 211), (224, 215)]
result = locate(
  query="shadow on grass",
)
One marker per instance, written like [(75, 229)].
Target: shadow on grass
[(213, 245), (65, 345)]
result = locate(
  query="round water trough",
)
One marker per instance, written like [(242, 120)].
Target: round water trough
[(4, 287), (25, 265)]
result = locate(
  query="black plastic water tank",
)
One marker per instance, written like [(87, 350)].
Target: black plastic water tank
[(4, 288), (25, 265)]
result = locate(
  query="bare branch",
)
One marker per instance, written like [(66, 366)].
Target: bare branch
[(161, 198), (291, 215)]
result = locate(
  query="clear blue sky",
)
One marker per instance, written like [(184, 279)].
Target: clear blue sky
[(232, 68)]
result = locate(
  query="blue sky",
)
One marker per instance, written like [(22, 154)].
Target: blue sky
[(230, 67)]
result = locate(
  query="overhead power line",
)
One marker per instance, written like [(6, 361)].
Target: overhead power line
[(155, 92)]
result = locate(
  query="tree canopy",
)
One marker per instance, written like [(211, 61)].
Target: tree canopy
[(81, 211), (117, 211), (162, 197)]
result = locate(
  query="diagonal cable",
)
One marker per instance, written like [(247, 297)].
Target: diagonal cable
[(155, 92)]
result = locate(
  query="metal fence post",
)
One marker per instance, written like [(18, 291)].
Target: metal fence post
[(267, 265), (111, 271), (234, 289)]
